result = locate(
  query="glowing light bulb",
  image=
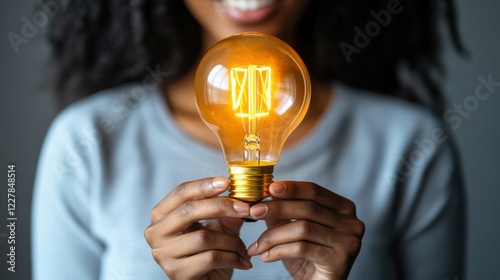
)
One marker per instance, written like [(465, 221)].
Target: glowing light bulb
[(252, 90)]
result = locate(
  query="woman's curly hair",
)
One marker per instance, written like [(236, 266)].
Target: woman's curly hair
[(99, 44)]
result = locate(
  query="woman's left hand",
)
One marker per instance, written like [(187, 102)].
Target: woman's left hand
[(313, 230)]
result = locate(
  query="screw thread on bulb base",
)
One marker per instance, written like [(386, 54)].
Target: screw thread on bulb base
[(250, 183)]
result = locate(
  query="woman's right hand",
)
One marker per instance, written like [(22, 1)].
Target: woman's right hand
[(194, 233)]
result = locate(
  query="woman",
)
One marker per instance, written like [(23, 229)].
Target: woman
[(381, 158)]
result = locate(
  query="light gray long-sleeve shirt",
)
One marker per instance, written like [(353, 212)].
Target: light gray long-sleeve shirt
[(110, 158)]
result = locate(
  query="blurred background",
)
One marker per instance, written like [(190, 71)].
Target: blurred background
[(26, 110)]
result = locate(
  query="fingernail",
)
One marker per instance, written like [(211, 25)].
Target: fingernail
[(241, 207), (258, 210), (264, 255), (247, 263), (278, 188), (252, 248), (219, 184)]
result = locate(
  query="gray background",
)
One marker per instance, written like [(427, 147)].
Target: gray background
[(27, 110)]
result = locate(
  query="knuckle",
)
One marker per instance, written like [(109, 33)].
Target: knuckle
[(359, 228), (311, 208), (315, 190), (212, 257), (149, 234), (304, 228), (155, 215), (265, 240), (185, 208), (156, 252), (277, 208), (171, 269), (181, 190), (219, 205), (301, 248), (350, 206), (203, 237)]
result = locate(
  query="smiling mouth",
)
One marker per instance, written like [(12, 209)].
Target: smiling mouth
[(248, 5), (248, 12)]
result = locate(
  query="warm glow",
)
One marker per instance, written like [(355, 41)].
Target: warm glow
[(252, 90)]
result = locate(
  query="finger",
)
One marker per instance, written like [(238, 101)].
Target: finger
[(301, 230), (299, 250), (199, 241), (189, 212), (193, 190), (340, 222), (342, 251), (298, 209), (313, 192), (271, 223), (197, 265)]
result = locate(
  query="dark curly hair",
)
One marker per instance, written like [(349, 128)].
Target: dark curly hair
[(100, 44)]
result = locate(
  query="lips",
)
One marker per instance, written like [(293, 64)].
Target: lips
[(248, 11), (248, 5)]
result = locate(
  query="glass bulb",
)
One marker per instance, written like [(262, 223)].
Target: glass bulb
[(252, 90)]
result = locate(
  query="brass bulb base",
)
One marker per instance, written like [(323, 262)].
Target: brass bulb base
[(250, 183)]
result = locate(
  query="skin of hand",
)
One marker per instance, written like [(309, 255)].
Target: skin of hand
[(194, 232), (313, 230)]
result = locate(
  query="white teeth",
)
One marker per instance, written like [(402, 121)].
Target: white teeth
[(248, 5)]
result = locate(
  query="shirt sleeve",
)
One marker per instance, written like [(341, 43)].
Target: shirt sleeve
[(431, 239), (63, 246)]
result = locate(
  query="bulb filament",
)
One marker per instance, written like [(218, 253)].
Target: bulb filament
[(251, 100)]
